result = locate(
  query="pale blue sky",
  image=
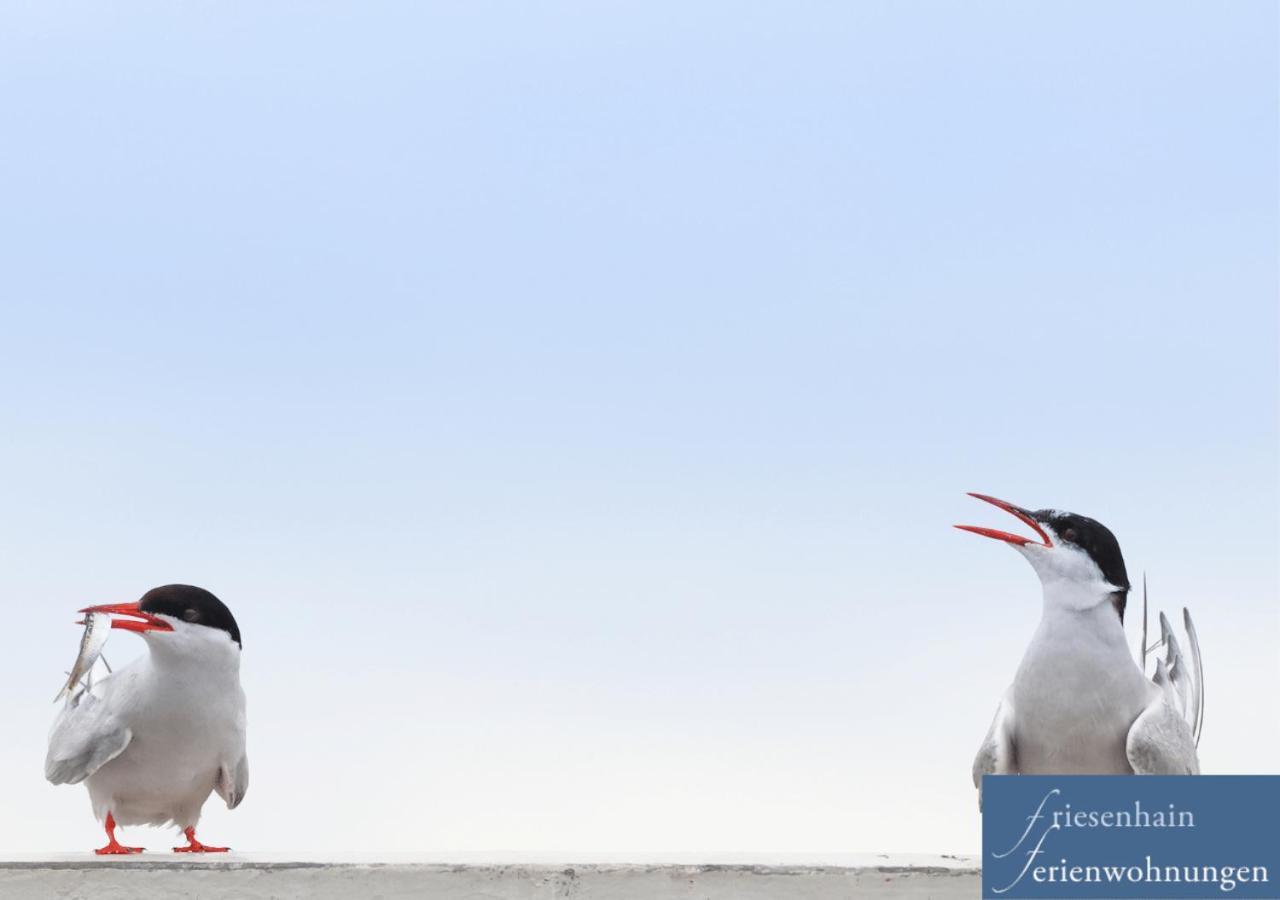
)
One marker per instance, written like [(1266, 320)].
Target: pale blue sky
[(572, 400)]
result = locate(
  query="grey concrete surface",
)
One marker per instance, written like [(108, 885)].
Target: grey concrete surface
[(117, 879)]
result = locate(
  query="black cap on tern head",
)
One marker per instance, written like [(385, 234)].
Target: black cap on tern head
[(1093, 538), (191, 604), (1056, 530)]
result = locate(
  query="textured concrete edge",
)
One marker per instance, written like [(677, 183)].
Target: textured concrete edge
[(496, 869)]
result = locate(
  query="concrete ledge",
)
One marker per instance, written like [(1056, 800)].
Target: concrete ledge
[(130, 878)]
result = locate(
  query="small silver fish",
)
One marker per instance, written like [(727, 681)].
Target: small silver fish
[(97, 628)]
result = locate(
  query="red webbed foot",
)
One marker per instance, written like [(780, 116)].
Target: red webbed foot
[(117, 849), (114, 847), (194, 846)]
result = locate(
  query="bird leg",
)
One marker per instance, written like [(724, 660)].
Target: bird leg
[(194, 846), (114, 847)]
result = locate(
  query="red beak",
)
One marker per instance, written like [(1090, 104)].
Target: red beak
[(140, 622), (1016, 540)]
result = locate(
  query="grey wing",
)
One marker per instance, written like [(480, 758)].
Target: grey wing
[(1160, 741), (85, 737), (233, 781), (1180, 675), (996, 755)]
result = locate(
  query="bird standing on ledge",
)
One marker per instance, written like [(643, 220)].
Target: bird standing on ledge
[(154, 739), (1079, 703)]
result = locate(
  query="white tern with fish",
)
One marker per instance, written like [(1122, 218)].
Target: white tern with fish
[(154, 739)]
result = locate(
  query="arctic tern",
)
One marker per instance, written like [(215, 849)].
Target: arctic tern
[(1080, 703), (152, 740)]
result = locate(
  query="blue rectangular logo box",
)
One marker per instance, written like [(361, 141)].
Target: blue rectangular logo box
[(1121, 836)]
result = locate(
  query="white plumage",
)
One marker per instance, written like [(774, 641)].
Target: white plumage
[(154, 739), (1079, 702)]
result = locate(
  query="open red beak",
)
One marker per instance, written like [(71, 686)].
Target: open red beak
[(1015, 539), (139, 622)]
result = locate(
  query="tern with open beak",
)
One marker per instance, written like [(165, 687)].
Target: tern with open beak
[(1080, 704), (154, 739)]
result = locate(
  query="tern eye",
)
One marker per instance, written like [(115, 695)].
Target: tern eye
[(1069, 535), (191, 615)]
